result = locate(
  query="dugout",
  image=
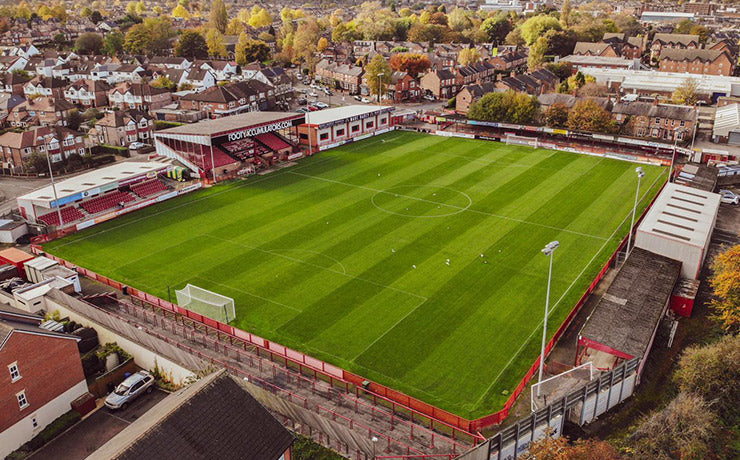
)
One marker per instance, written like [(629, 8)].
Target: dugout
[(330, 128), (624, 323), (679, 225), (220, 149)]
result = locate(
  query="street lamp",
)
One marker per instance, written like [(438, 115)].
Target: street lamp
[(53, 185), (673, 156), (549, 250), (375, 441), (380, 82), (640, 175)]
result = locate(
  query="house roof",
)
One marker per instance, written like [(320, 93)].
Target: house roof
[(225, 124), (669, 111), (613, 37), (479, 90), (726, 120), (214, 417), (674, 54), (676, 39), (590, 48)]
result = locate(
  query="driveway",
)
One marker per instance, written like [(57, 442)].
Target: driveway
[(94, 431)]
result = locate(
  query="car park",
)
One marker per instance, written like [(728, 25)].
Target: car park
[(321, 105), (729, 197), (131, 388)]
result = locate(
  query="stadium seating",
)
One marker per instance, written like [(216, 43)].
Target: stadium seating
[(69, 214), (273, 142), (148, 188), (107, 201)]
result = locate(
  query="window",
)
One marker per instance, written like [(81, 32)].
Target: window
[(34, 422), (81, 151), (683, 123), (15, 373), (22, 401), (323, 136), (369, 124), (355, 128), (340, 132), (657, 120)]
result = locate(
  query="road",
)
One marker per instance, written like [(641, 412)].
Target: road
[(91, 433), (13, 187)]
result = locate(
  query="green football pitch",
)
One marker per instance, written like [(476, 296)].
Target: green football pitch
[(410, 259)]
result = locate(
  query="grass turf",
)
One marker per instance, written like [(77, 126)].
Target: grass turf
[(344, 256)]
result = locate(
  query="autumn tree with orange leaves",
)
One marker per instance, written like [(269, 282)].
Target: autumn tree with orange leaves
[(726, 285), (411, 63)]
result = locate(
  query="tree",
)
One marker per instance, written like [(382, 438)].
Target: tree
[(412, 63), (322, 44), (711, 371), (164, 82), (96, 16), (215, 43), (515, 37), (684, 27), (562, 69), (560, 42), (192, 45), (566, 14), (458, 20), (556, 116), (433, 33), (506, 107), (74, 120), (180, 12), (373, 22), (587, 115), (248, 50), (468, 56), (260, 18), (686, 428), (701, 31), (550, 448), (113, 43), (86, 12), (378, 75), (496, 28), (89, 43), (219, 16), (591, 89), (305, 41), (537, 54), (726, 285), (536, 26)]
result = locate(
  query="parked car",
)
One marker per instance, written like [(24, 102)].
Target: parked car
[(365, 100), (321, 105), (301, 110), (729, 197), (302, 101), (328, 92), (357, 98), (131, 388), (313, 94), (136, 145), (429, 97), (312, 108)]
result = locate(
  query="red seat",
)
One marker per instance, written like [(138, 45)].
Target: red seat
[(69, 214), (107, 201), (148, 188)]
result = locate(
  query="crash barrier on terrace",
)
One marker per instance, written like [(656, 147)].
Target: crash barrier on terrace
[(581, 405), (401, 404)]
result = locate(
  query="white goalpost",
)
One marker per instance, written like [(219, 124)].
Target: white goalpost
[(557, 386), (207, 303), (521, 140)]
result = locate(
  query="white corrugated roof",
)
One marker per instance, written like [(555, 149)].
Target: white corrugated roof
[(339, 113), (682, 214), (726, 119), (652, 81)]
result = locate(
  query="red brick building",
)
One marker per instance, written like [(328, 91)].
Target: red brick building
[(40, 375), (696, 61)]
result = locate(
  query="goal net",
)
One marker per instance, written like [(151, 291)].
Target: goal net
[(521, 140), (207, 303), (549, 390)]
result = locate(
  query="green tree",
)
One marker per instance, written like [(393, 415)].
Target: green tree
[(219, 16), (566, 14), (113, 43), (378, 75), (496, 28), (432, 33), (726, 284), (556, 116), (468, 56), (260, 18), (587, 115), (537, 54), (458, 20), (536, 26), (96, 16), (180, 12), (164, 82), (506, 107), (89, 43), (305, 41), (248, 50), (192, 45)]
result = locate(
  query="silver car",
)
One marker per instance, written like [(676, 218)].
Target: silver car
[(131, 388), (729, 197)]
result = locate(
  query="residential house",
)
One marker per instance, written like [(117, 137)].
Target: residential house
[(122, 127), (8, 102), (595, 49), (667, 122), (470, 94), (696, 61), (11, 63), (223, 70), (26, 51), (626, 47), (403, 88), (13, 82), (40, 376), (440, 83), (50, 111), (16, 148), (44, 67), (230, 99), (46, 87), (170, 62), (200, 79), (139, 96), (88, 93), (215, 417), (673, 41), (508, 61), (538, 82), (347, 77)]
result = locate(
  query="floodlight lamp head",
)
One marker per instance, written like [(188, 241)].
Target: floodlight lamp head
[(550, 248)]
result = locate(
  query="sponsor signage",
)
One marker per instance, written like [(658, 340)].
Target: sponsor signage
[(354, 118)]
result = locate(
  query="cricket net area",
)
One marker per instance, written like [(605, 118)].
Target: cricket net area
[(206, 303)]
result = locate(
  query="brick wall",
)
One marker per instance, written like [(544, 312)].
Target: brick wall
[(48, 366)]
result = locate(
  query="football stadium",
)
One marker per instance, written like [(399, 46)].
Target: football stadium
[(410, 259)]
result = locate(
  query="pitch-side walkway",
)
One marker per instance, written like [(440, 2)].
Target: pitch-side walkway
[(395, 436)]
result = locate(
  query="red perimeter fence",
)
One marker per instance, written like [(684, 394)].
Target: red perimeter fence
[(417, 410)]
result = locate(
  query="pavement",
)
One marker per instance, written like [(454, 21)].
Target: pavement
[(96, 429)]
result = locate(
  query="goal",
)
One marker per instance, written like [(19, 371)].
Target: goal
[(549, 390), (206, 303), (521, 140)]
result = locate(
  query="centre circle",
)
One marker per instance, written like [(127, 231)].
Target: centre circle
[(425, 201)]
